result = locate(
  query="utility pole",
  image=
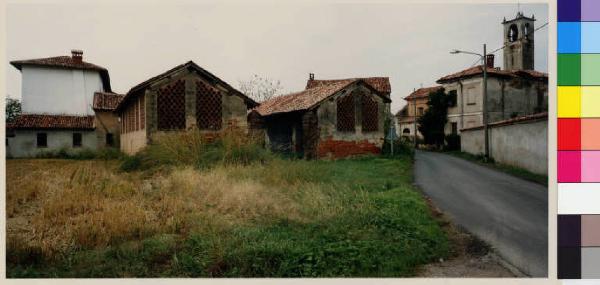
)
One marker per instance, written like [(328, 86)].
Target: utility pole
[(484, 105), (485, 121)]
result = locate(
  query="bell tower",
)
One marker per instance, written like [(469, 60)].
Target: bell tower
[(518, 42)]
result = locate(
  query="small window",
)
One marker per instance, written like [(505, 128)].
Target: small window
[(406, 131), (76, 139), (454, 128), (420, 111), (42, 140), (452, 98), (471, 96), (110, 140)]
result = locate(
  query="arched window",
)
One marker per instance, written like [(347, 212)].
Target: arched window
[(513, 33), (526, 30), (406, 131)]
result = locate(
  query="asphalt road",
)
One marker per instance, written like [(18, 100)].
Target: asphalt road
[(509, 213)]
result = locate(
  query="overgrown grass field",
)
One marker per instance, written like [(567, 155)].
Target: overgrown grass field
[(264, 217)]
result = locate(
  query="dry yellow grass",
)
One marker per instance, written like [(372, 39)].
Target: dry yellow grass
[(58, 205)]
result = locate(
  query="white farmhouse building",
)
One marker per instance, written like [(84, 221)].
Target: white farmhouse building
[(67, 104)]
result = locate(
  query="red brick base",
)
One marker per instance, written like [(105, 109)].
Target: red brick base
[(339, 149)]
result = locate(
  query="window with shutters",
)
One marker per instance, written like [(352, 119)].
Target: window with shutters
[(208, 107), (170, 109), (345, 113), (370, 114)]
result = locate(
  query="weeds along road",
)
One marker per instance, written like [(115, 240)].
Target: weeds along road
[(509, 213)]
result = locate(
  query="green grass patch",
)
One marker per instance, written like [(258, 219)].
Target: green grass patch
[(352, 218)]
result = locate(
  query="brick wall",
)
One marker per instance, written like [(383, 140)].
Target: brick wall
[(338, 149)]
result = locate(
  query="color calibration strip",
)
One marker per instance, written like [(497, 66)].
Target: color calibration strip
[(578, 62)]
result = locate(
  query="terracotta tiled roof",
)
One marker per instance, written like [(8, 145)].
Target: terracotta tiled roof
[(302, 100), (37, 121), (531, 73), (381, 84), (422, 92), (188, 65), (105, 101), (521, 119), (67, 62), (306, 99), (477, 70), (57, 61)]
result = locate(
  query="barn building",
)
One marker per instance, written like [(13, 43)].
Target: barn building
[(329, 119), (66, 103), (182, 98)]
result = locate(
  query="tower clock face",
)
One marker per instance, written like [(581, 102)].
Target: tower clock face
[(513, 33)]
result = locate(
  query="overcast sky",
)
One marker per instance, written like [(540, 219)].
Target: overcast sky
[(407, 42)]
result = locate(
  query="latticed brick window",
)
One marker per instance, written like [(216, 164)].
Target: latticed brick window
[(345, 113), (170, 108), (136, 114), (208, 107), (370, 114), (142, 111)]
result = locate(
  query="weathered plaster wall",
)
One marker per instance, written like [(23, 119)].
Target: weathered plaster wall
[(24, 143), (523, 145), (107, 122), (133, 142), (59, 91), (507, 98), (334, 143)]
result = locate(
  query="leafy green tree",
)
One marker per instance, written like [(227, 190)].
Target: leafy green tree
[(433, 121), (13, 109)]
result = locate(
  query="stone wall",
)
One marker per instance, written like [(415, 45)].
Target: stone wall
[(520, 143), (24, 142)]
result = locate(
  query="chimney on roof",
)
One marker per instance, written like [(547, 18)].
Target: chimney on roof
[(489, 61), (311, 76), (77, 55)]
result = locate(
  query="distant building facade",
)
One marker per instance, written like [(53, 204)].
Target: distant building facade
[(182, 98), (60, 107), (416, 105), (517, 90), (329, 119)]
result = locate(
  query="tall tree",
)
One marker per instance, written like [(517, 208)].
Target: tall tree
[(260, 88), (13, 109), (433, 121)]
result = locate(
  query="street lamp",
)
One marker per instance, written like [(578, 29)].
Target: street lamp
[(485, 121)]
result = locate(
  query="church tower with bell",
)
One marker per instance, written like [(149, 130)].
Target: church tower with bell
[(519, 42)]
